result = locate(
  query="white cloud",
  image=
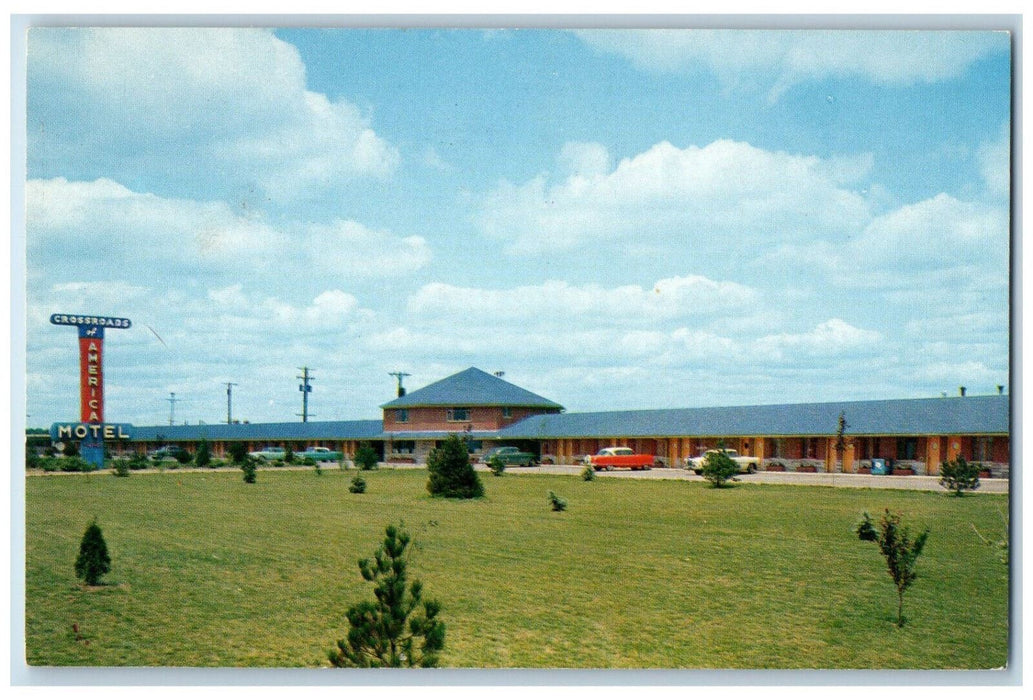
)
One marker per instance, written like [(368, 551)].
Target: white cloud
[(831, 337), (586, 159), (705, 197), (777, 60), (556, 301), (227, 103), (350, 249), (995, 165)]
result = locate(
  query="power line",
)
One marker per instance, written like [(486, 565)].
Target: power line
[(305, 388), (229, 402), (401, 389)]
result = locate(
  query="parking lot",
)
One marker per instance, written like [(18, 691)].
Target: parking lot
[(863, 481)]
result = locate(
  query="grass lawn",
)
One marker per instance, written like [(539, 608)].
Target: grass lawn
[(210, 571)]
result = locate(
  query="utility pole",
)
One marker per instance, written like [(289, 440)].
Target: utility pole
[(305, 388), (229, 402), (401, 389), (172, 407)]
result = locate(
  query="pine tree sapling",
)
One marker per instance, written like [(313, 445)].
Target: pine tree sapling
[(250, 470), (959, 475), (398, 629), (588, 473), (718, 468), (558, 504), (203, 456), (93, 560), (366, 457), (900, 550), (358, 484), (451, 474), (121, 467)]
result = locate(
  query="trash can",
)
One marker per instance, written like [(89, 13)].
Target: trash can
[(879, 466)]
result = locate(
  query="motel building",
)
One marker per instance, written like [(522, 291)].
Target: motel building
[(488, 412)]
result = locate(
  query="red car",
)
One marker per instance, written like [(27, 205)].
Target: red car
[(620, 458)]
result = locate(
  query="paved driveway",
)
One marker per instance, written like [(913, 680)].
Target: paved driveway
[(862, 481)]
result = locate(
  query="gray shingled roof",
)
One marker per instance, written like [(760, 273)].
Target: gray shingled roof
[(471, 387), (942, 416), (323, 430)]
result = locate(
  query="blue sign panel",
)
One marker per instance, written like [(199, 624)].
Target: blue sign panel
[(91, 431), (99, 321)]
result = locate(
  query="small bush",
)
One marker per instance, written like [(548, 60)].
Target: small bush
[(451, 474), (32, 460), (138, 461), (319, 469), (250, 471), (288, 454), (366, 457), (75, 464), (588, 473), (358, 484), (237, 452), (93, 560), (184, 457), (558, 504), (958, 475), (497, 466), (120, 467), (71, 449), (398, 628)]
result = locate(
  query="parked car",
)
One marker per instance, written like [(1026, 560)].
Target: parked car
[(319, 454), (167, 452), (511, 457), (745, 464), (620, 458), (268, 453)]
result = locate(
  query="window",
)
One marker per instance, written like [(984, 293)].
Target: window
[(507, 412), (403, 447), (454, 415), (402, 415), (907, 448)]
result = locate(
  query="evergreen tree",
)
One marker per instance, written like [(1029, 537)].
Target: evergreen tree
[(366, 457), (959, 475), (250, 470), (238, 452), (203, 456), (93, 560), (900, 550), (451, 474), (718, 468), (398, 629)]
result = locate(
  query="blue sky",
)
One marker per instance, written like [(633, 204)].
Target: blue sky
[(616, 219)]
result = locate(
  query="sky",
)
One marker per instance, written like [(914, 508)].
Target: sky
[(616, 219)]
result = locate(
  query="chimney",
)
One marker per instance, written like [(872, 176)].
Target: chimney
[(961, 391), (1000, 389)]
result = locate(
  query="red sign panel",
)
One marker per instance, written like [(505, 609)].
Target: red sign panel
[(91, 380)]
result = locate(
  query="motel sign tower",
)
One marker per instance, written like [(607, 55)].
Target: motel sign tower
[(91, 429)]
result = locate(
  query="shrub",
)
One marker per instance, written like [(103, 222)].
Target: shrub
[(237, 452), (184, 457), (958, 475), (93, 560), (399, 628), (203, 456), (75, 464), (71, 449), (32, 460), (138, 461), (558, 504), (319, 469), (718, 468), (900, 551), (288, 454), (120, 467), (366, 457), (497, 465), (358, 484), (250, 470), (588, 473), (451, 474)]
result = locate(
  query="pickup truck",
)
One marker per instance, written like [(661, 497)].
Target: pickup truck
[(620, 457), (319, 454), (511, 456), (745, 464)]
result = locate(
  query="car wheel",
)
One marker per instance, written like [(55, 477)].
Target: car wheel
[(752, 469), (699, 472)]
